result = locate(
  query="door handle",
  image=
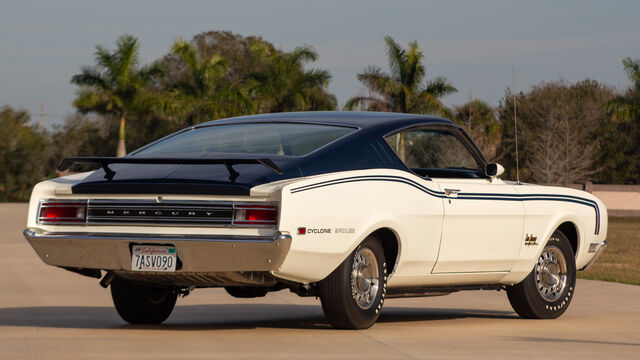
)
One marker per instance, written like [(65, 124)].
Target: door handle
[(451, 192)]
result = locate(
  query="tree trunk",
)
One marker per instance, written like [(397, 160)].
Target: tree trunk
[(122, 148), (400, 147)]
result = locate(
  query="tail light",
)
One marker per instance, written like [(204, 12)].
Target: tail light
[(62, 212), (264, 215)]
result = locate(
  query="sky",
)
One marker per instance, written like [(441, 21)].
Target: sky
[(474, 44)]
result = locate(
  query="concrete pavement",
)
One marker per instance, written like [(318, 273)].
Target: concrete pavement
[(49, 313)]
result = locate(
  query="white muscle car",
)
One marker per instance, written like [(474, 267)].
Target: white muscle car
[(350, 207)]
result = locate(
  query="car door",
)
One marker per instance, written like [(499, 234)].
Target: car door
[(483, 219)]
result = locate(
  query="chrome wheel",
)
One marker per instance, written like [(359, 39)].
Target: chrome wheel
[(551, 274), (548, 289), (353, 294), (365, 279)]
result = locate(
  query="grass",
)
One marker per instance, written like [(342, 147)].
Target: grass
[(620, 261)]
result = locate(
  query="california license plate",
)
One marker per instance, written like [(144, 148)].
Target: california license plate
[(153, 258)]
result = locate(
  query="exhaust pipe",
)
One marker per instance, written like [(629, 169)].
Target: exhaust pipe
[(107, 279)]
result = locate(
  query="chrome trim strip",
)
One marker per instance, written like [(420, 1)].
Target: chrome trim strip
[(64, 221), (176, 224), (158, 207), (147, 220), (603, 245), (30, 234), (76, 201), (163, 201), (46, 206), (253, 203), (158, 217)]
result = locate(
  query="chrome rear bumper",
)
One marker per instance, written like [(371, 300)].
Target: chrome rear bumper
[(197, 254)]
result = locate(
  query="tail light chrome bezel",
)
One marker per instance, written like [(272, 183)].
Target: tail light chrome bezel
[(241, 211), (80, 206)]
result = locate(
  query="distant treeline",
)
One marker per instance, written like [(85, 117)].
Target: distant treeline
[(568, 132)]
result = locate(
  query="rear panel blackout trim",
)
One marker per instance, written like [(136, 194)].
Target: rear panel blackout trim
[(161, 213)]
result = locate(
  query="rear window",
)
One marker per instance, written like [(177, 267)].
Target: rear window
[(271, 138)]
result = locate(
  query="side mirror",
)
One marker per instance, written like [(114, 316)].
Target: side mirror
[(494, 170)]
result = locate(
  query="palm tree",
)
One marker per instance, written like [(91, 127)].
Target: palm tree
[(482, 125), (116, 85), (284, 85), (627, 106), (403, 89), (202, 92)]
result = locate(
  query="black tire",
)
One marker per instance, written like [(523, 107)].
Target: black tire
[(541, 294), (244, 292), (140, 304), (347, 299)]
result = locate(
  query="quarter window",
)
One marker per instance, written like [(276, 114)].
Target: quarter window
[(434, 153)]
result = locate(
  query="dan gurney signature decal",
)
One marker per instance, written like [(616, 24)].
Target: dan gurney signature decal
[(530, 240)]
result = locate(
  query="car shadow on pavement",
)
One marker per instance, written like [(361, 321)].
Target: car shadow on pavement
[(221, 317), (405, 314), (548, 340)]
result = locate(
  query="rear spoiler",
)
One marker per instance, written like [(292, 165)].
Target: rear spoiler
[(104, 162)]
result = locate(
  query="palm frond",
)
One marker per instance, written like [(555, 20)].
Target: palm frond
[(127, 53), (622, 108), (425, 102), (316, 78), (632, 68), (378, 82), (396, 57), (303, 54), (88, 100), (214, 67), (414, 70), (105, 61), (318, 99), (90, 76), (186, 53), (364, 102), (440, 87), (152, 72)]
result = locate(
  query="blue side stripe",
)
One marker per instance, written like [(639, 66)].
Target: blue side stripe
[(330, 182), (398, 179), (461, 196), (567, 198)]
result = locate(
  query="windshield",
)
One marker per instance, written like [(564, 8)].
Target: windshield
[(269, 138)]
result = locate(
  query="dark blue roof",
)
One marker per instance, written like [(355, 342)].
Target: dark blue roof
[(361, 119), (361, 149)]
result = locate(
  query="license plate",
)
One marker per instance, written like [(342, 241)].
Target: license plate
[(153, 258)]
